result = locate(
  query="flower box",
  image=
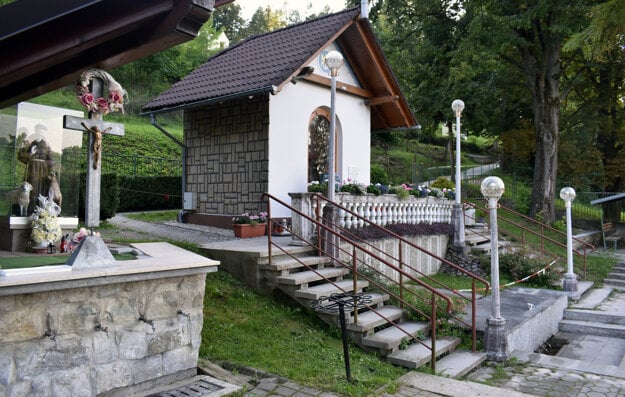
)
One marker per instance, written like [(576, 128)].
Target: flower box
[(249, 230)]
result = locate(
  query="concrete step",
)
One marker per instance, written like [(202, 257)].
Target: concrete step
[(593, 328), (285, 262), (328, 289), (372, 319), (613, 282), (475, 239), (459, 363), (309, 276), (617, 276), (592, 298), (593, 316), (389, 339), (417, 355), (486, 247)]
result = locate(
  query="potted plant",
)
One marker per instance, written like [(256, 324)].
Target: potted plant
[(249, 225)]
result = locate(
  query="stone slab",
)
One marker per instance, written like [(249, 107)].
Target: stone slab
[(160, 260), (532, 315), (454, 388)]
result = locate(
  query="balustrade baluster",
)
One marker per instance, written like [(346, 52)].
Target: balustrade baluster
[(384, 210), (411, 213), (366, 212), (347, 216), (392, 213)]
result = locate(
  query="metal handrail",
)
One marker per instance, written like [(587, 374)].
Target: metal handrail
[(334, 231), (543, 229)]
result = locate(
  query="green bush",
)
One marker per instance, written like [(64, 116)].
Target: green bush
[(149, 193), (379, 174), (122, 193), (316, 187), (518, 266), (354, 188), (443, 183)]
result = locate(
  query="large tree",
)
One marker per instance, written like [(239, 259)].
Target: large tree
[(503, 57)]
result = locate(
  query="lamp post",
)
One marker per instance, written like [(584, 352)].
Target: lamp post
[(334, 61), (569, 283), (330, 244), (492, 188), (458, 216)]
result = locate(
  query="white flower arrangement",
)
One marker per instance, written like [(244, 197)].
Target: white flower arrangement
[(44, 222)]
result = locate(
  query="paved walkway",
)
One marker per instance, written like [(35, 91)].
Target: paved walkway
[(520, 378)]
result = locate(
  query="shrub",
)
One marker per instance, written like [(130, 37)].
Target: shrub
[(354, 188), (443, 183), (379, 175), (519, 265), (316, 187), (148, 193)]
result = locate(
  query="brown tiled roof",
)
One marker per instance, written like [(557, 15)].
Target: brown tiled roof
[(256, 64)]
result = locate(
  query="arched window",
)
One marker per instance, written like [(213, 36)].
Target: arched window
[(318, 137)]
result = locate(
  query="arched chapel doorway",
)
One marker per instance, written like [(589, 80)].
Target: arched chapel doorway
[(318, 139)]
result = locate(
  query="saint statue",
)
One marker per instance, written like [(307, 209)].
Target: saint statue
[(36, 154)]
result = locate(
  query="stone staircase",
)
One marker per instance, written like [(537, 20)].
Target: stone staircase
[(616, 278), (477, 237), (381, 327), (593, 329), (594, 314)]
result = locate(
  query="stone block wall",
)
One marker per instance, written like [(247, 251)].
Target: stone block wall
[(227, 154), (97, 340)]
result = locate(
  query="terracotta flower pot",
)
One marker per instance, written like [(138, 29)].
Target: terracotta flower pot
[(249, 231)]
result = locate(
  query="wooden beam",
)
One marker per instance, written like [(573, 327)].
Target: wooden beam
[(340, 86), (383, 99)]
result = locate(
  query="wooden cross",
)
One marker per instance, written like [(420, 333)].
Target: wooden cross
[(95, 128)]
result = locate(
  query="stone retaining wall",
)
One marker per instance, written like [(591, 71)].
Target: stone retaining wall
[(105, 335), (415, 258)]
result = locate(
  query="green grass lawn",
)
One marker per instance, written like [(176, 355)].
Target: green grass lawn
[(155, 216), (45, 260), (247, 329)]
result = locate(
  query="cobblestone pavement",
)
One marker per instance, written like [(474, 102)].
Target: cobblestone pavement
[(516, 379), (552, 382)]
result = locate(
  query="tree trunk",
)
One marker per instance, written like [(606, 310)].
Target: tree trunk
[(542, 69)]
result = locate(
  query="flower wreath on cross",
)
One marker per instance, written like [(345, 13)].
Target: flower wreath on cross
[(114, 102)]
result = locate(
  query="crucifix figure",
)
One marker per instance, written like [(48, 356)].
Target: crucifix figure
[(90, 91)]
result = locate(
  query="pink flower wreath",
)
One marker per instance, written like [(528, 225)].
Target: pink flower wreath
[(100, 106)]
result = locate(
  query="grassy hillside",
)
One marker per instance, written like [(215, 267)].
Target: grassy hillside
[(141, 137)]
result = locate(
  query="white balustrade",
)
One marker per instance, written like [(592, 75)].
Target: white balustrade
[(381, 210)]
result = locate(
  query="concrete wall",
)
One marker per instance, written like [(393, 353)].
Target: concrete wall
[(416, 259), (67, 334)]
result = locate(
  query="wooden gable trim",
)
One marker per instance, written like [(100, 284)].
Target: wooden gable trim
[(316, 54), (340, 86)]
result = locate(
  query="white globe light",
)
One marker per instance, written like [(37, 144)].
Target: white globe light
[(457, 106), (567, 194), (492, 187), (334, 61)]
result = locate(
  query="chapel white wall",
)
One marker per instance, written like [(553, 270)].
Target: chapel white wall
[(289, 115)]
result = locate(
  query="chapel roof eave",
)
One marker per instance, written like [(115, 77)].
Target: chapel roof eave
[(271, 89), (51, 42), (243, 67)]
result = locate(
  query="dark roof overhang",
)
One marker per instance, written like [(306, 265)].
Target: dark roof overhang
[(47, 43)]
